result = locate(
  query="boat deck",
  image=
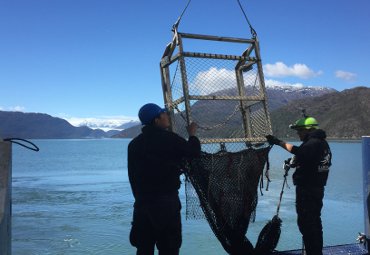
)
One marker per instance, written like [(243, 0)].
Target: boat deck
[(353, 249)]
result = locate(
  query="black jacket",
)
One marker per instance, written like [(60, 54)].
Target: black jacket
[(313, 159), (154, 161)]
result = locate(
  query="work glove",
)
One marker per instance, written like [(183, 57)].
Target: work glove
[(273, 140)]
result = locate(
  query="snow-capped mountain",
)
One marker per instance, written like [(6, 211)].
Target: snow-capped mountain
[(104, 123), (280, 95), (288, 87), (129, 124)]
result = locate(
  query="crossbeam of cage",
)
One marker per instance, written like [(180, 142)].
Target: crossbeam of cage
[(216, 38), (233, 140), (216, 56), (166, 61), (214, 97)]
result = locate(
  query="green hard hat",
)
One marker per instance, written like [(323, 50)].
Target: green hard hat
[(305, 123)]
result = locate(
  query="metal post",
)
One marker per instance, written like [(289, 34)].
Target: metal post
[(5, 197), (262, 84), (245, 111), (185, 85), (241, 90), (166, 80), (366, 180), (167, 93)]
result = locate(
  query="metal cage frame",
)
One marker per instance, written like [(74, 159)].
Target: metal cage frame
[(250, 57)]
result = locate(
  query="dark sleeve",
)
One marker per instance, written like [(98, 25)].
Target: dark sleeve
[(189, 149), (131, 167), (295, 150), (307, 152)]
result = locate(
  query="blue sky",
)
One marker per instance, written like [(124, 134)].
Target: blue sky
[(100, 59)]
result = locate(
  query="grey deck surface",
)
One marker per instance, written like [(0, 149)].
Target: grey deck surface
[(353, 249)]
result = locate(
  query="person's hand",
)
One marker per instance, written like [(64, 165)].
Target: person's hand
[(273, 140), (192, 129)]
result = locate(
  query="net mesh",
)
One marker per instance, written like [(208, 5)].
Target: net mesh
[(225, 96), (221, 117), (224, 186)]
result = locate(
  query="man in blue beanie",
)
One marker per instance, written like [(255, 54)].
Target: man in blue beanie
[(154, 168)]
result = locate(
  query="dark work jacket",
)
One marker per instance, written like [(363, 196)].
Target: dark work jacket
[(313, 159), (154, 161)]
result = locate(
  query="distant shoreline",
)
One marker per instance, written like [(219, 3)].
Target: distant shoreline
[(344, 140), (335, 139)]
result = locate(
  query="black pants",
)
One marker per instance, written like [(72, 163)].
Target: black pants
[(157, 222), (309, 205)]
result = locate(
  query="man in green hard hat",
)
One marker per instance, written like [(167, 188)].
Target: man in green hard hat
[(312, 160)]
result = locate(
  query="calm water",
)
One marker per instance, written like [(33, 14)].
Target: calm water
[(73, 197)]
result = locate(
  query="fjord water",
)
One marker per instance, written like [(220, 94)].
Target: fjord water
[(73, 197)]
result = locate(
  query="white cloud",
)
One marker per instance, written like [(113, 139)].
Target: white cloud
[(17, 108), (279, 69), (347, 76), (102, 122), (213, 80)]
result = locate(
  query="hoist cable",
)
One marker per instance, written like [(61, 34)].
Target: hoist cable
[(253, 32), (180, 17)]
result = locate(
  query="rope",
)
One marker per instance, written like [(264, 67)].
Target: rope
[(174, 27), (253, 32), (174, 75), (267, 173), (282, 190), (15, 140)]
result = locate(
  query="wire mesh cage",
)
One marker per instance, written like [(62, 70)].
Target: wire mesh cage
[(223, 93)]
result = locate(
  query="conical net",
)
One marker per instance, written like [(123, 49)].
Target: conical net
[(224, 186)]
